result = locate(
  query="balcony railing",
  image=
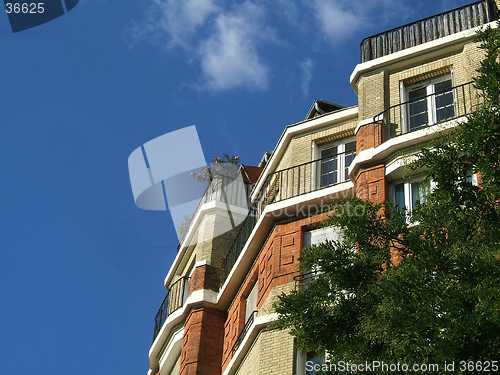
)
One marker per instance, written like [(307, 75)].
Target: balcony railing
[(303, 279), (429, 110), (175, 298), (422, 31), (305, 178), (224, 189), (239, 243), (244, 332), (285, 184)]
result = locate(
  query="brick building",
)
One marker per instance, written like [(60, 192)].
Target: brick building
[(412, 82)]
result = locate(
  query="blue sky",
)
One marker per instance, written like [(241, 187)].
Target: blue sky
[(81, 267)]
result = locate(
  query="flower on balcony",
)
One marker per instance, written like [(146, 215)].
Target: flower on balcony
[(220, 166)]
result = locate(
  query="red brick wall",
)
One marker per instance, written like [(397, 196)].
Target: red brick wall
[(204, 277), (276, 264), (201, 352), (369, 136), (371, 184)]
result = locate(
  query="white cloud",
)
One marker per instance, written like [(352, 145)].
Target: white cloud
[(230, 57), (340, 19), (306, 67), (173, 22), (228, 39)]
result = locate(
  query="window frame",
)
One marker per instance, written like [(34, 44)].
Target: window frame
[(342, 166), (408, 184), (430, 97)]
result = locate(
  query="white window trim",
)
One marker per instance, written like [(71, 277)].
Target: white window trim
[(316, 155), (430, 90), (251, 301), (407, 191)]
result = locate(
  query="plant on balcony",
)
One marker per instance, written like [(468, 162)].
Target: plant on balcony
[(415, 294), (220, 166)]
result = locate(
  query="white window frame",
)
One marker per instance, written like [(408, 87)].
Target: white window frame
[(430, 87), (251, 301), (341, 160), (408, 190), (301, 361)]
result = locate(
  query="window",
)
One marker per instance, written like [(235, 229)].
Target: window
[(317, 236), (308, 363), (406, 195), (430, 103), (251, 302), (334, 163)]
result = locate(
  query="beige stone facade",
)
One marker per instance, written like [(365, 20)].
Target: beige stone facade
[(234, 278)]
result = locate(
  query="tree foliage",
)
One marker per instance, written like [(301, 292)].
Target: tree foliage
[(421, 287)]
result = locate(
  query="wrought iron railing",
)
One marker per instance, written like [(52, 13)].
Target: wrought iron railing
[(244, 332), (175, 298), (305, 178), (239, 243), (431, 28), (304, 279), (225, 189), (285, 184), (429, 110)]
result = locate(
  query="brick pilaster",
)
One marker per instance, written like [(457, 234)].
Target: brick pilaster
[(204, 277), (201, 352), (369, 136)]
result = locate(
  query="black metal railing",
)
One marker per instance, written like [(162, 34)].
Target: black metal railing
[(429, 110), (239, 243), (305, 178), (225, 189), (175, 298), (428, 29), (304, 279), (285, 184), (244, 332)]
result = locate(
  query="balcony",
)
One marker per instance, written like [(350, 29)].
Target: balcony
[(174, 300), (305, 178), (244, 332), (443, 105), (428, 29), (285, 184), (229, 190)]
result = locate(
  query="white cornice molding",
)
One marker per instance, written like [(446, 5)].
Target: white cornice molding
[(424, 51), (315, 124)]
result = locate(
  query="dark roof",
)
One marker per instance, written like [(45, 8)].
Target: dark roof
[(251, 174), (322, 106)]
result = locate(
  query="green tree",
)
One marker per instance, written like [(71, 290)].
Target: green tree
[(420, 287)]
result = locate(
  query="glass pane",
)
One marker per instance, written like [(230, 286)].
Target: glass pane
[(399, 196), (328, 152), (415, 194), (417, 108), (350, 154), (445, 108), (329, 167), (311, 357)]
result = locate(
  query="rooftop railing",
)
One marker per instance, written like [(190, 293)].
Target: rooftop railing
[(429, 110), (174, 300), (428, 29)]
